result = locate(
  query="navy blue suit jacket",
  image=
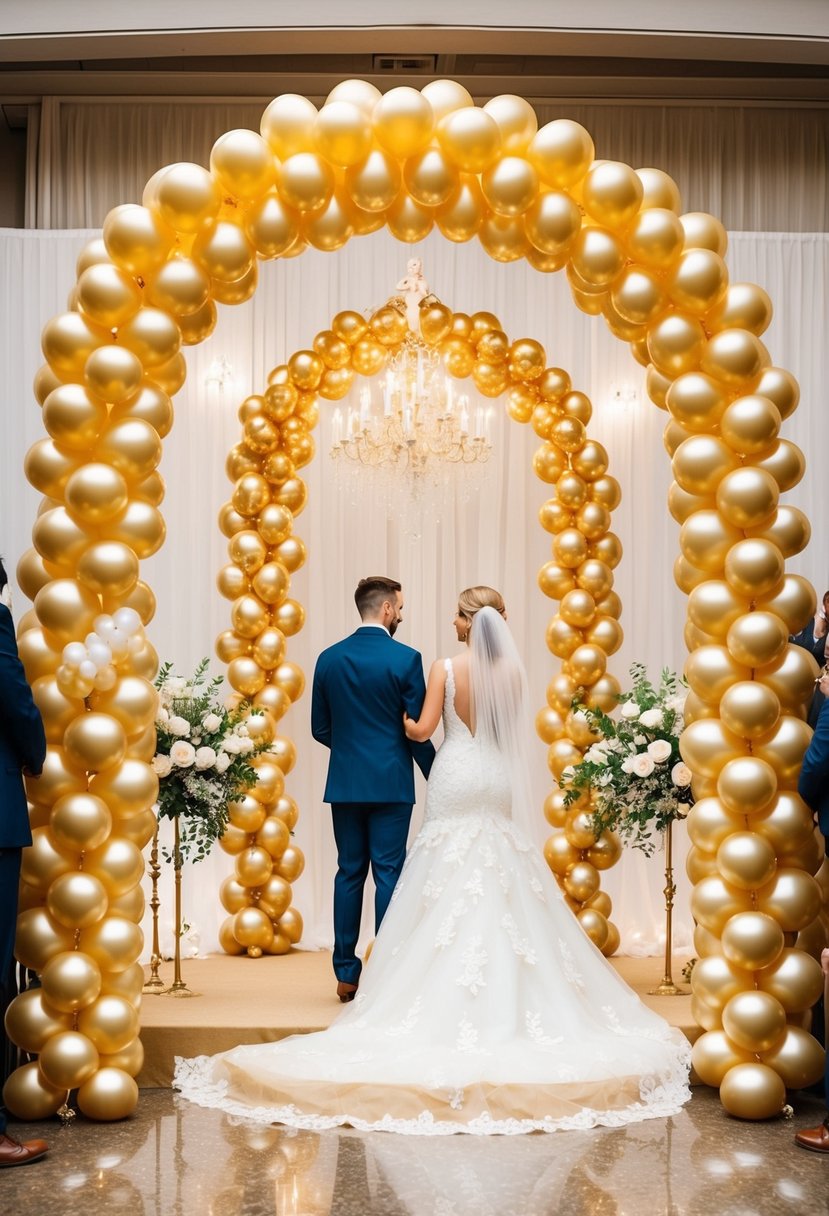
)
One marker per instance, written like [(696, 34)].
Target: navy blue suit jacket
[(813, 785), (362, 685), (22, 741)]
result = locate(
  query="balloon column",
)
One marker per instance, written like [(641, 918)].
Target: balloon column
[(276, 441), (410, 160)]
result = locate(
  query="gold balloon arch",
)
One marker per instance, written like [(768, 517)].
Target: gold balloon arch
[(411, 160), (276, 441)]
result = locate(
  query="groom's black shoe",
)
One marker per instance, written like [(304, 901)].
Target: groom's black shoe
[(346, 992)]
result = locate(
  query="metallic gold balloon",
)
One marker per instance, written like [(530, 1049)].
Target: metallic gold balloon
[(291, 864), (31, 1023), (223, 251), (60, 776), (130, 906), (109, 568), (289, 617), (233, 895), (697, 401), (39, 938), (129, 1060), (750, 709), (709, 823), (331, 226), (253, 866), (597, 257), (252, 927), (111, 1094), (793, 898), (757, 639), (705, 540), (793, 599), (275, 897), (754, 1020), (234, 840), (43, 861), (274, 700), (28, 1095), (735, 356), (715, 980), (612, 194), (798, 1060), (795, 979), (710, 670), (713, 1055), (594, 924), (137, 238), (70, 981), (750, 425), (701, 462), (74, 417), (780, 387), (68, 1059), (676, 344), (604, 693), (562, 152), (751, 940), (713, 607), (429, 178), (48, 468), (67, 342), (128, 790), (244, 673), (243, 163), (403, 121), (790, 530), (515, 119), (747, 785), (180, 287), (118, 863), (408, 220), (747, 497), (755, 568), (699, 281), (108, 295), (699, 865), (76, 900), (288, 124), (95, 742), (703, 231), (714, 902), (638, 296)]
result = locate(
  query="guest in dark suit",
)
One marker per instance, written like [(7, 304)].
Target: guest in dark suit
[(22, 748), (814, 637), (813, 787), (362, 687)]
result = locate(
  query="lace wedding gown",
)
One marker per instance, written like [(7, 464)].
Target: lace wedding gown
[(484, 1007)]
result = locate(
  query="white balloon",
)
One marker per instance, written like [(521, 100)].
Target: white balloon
[(118, 641), (87, 669), (104, 626), (128, 620), (105, 679), (74, 654), (100, 654)]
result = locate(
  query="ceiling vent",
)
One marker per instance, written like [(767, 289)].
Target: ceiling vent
[(405, 63)]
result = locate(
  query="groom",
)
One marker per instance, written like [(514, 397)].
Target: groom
[(362, 686)]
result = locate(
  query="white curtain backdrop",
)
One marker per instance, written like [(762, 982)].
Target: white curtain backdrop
[(493, 537), (757, 168)]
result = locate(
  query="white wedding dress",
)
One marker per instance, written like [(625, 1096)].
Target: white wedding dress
[(484, 1007)]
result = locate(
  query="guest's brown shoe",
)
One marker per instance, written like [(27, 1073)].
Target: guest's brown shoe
[(816, 1139), (346, 992), (13, 1153)]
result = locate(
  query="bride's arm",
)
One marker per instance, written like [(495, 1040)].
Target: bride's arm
[(426, 724)]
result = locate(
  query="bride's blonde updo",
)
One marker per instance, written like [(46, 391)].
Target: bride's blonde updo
[(475, 598)]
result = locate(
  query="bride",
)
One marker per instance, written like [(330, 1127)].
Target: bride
[(484, 1008)]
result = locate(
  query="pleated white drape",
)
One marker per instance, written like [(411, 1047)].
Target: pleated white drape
[(757, 168), (492, 538)]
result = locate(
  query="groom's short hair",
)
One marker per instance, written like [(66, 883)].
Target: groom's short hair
[(372, 592)]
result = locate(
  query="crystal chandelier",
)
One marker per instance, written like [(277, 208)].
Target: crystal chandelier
[(415, 419)]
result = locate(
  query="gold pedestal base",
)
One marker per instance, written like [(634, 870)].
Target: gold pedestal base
[(179, 989), (668, 988)]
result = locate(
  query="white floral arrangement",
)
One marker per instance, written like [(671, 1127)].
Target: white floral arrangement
[(634, 773), (202, 757)]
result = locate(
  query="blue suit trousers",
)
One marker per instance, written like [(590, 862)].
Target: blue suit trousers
[(367, 834)]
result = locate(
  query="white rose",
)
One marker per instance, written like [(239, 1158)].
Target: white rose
[(161, 765), (681, 775), (211, 723), (676, 704), (659, 750), (182, 753), (630, 710), (595, 755), (639, 740), (205, 757), (242, 730), (232, 744), (178, 725), (627, 765), (162, 715), (223, 762), (651, 718), (175, 686), (246, 746), (642, 765)]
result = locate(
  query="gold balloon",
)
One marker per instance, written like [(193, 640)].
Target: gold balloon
[(67, 342), (31, 1023), (461, 216), (798, 1060), (790, 530), (291, 864), (793, 600), (709, 823), (253, 867), (734, 356), (755, 568), (780, 387), (290, 924), (128, 790), (275, 897), (793, 898), (252, 927), (795, 979), (43, 861), (710, 670), (129, 1060), (108, 295), (713, 607), (749, 709), (70, 981), (562, 152), (429, 179), (596, 257), (703, 231), (747, 497), (233, 895), (752, 940), (510, 186), (223, 251), (715, 980), (28, 1095), (115, 943), (408, 220), (74, 417), (244, 673), (68, 1059), (76, 900), (754, 1020), (403, 121), (234, 840), (48, 468), (594, 924), (699, 281), (713, 1055), (612, 194), (243, 163), (273, 836), (757, 639), (111, 1022), (137, 238), (707, 746), (603, 694), (714, 902), (111, 1094), (118, 863), (676, 344), (268, 649), (95, 742), (180, 287)]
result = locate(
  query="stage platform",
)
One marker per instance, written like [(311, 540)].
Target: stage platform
[(244, 1000)]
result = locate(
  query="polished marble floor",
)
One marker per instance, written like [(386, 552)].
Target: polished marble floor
[(174, 1159)]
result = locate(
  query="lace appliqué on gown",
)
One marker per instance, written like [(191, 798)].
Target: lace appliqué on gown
[(484, 1009)]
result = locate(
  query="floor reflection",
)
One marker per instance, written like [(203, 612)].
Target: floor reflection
[(174, 1159)]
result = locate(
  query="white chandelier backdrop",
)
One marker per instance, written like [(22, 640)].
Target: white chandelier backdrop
[(488, 535)]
